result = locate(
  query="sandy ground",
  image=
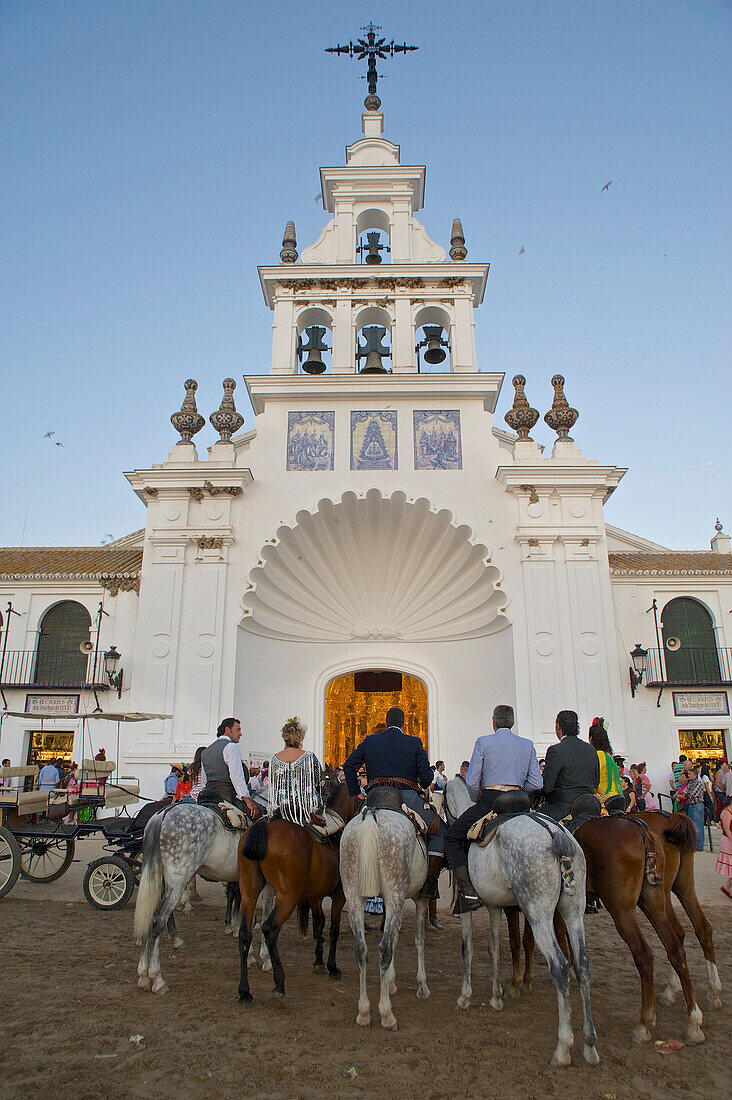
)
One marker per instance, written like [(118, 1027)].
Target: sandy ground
[(70, 1006)]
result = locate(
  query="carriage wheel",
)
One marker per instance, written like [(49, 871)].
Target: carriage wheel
[(46, 858), (109, 883), (9, 861)]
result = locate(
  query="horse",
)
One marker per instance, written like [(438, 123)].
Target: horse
[(541, 868), (301, 870), (381, 854), (677, 835), (183, 840), (627, 868)]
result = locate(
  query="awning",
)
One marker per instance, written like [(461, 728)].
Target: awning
[(108, 716)]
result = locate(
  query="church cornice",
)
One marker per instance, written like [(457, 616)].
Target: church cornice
[(375, 387), (342, 280)]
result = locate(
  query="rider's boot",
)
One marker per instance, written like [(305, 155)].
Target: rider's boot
[(434, 866), (467, 899)]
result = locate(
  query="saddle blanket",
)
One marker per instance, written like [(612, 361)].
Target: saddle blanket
[(485, 828)]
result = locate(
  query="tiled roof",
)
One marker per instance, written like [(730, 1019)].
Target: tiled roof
[(115, 560), (679, 562)]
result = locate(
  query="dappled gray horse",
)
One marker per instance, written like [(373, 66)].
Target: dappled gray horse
[(382, 855), (180, 842), (540, 869)]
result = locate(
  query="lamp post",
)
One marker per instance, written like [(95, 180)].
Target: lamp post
[(114, 678), (638, 656)]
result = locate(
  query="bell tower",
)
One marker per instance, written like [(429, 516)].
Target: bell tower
[(374, 294)]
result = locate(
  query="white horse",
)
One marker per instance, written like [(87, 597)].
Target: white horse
[(539, 869), (382, 855), (185, 840)]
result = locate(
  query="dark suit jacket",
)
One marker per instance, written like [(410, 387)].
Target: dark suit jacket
[(572, 768), (391, 754)]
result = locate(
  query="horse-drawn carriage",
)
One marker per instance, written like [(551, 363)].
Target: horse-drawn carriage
[(37, 844)]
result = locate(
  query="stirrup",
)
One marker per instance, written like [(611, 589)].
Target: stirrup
[(429, 888), (465, 903)]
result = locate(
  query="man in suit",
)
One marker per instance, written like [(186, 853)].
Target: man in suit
[(572, 768), (501, 761), (393, 755)]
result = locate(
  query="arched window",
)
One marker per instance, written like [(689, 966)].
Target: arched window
[(690, 648), (59, 661)]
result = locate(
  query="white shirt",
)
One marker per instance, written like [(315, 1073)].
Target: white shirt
[(232, 758)]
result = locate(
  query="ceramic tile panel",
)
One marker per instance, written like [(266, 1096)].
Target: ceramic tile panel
[(310, 440), (374, 440), (437, 442)]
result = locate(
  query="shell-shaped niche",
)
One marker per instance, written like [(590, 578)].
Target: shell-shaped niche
[(374, 567)]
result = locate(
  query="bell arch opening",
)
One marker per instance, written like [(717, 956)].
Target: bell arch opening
[(356, 704)]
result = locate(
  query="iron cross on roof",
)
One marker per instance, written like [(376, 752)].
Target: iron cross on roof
[(371, 47)]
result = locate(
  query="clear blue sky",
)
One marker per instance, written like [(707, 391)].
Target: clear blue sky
[(154, 150)]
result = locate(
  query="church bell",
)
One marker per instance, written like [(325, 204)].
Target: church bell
[(372, 248), (313, 349), (435, 352), (373, 350)]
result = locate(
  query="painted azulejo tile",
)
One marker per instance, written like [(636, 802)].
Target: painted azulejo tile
[(310, 440), (374, 440), (437, 444)]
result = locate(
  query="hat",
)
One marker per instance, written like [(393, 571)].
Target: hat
[(177, 767)]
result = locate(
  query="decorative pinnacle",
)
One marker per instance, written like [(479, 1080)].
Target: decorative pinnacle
[(521, 417), (227, 420), (561, 417), (370, 48), (458, 251), (188, 421), (718, 527), (288, 255)]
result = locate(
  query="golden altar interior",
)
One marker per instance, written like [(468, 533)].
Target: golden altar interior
[(351, 715)]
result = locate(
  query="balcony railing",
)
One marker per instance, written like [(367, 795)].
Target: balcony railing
[(26, 668), (689, 665)]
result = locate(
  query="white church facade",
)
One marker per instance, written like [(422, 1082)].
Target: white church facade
[(377, 538)]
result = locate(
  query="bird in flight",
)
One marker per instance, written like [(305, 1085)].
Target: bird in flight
[(521, 250), (59, 444), (607, 186), (48, 435)]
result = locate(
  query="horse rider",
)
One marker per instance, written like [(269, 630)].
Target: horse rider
[(224, 771), (572, 768), (394, 759), (501, 761)]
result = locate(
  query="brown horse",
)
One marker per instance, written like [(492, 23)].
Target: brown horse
[(626, 867), (302, 870), (677, 835)]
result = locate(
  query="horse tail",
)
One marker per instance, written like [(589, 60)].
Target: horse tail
[(564, 846), (681, 833), (255, 841), (151, 879), (303, 917), (368, 858)]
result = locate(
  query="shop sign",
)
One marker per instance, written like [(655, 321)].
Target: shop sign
[(691, 704), (61, 705), (691, 740)]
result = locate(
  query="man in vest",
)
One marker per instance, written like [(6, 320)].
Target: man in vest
[(401, 761), (501, 761), (223, 768)]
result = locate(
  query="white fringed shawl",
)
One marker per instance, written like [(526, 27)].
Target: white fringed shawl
[(295, 789)]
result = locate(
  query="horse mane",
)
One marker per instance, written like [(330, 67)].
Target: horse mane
[(334, 792)]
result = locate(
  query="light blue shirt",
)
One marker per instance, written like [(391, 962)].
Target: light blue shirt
[(48, 778), (171, 783), (503, 759)]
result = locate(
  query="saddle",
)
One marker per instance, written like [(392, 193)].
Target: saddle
[(231, 816), (389, 798), (587, 807), (505, 808), (331, 825)]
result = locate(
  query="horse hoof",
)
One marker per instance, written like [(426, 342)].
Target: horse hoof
[(178, 943), (640, 1034), (514, 992), (228, 929), (335, 974), (245, 998), (266, 966), (363, 1021), (423, 993), (529, 987), (561, 1058), (591, 1056), (318, 968), (463, 1002), (715, 1001), (160, 986), (144, 982), (496, 1005), (393, 989), (279, 994), (389, 1024), (694, 1036)]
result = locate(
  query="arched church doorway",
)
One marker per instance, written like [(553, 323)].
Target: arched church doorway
[(355, 704)]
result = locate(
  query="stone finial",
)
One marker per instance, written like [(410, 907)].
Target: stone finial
[(372, 103), (226, 420), (718, 527), (458, 251), (521, 417), (721, 543), (288, 255), (188, 420), (560, 417)]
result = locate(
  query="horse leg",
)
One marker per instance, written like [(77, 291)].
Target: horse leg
[(496, 1001), (283, 907), (685, 891), (653, 903), (386, 960), (629, 931), (513, 919), (247, 908), (419, 941), (356, 919), (528, 945), (185, 902), (336, 908), (233, 898), (318, 934), (193, 890), (143, 979), (171, 896), (573, 924), (466, 933), (268, 900), (547, 943), (178, 943)]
